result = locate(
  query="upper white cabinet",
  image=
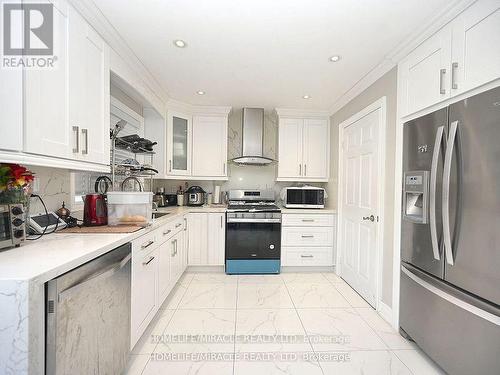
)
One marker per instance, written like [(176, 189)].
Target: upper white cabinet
[(89, 99), (209, 146), (461, 56), (179, 144), (475, 47), (304, 149)]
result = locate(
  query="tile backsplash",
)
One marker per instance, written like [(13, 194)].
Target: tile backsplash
[(53, 187)]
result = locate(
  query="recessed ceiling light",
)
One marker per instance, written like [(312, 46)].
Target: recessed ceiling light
[(306, 97), (335, 58), (200, 92), (180, 43)]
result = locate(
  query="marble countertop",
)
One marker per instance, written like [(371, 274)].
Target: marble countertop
[(57, 253)]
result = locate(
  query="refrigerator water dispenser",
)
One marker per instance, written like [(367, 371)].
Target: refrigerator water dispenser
[(416, 197)]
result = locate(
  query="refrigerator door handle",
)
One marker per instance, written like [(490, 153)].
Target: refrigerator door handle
[(446, 193), (432, 193)]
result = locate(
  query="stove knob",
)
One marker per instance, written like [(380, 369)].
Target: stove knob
[(17, 222), (19, 233), (16, 210)]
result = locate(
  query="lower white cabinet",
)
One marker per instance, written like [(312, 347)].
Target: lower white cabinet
[(206, 239), (308, 239)]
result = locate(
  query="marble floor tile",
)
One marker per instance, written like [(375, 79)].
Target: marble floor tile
[(199, 331), (282, 364), (209, 295), (260, 279), (186, 278), (418, 362), (389, 335), (339, 329), (333, 277), (260, 296), (212, 277), (136, 364), (270, 330), (165, 366), (376, 362), (147, 342), (175, 296), (354, 299), (306, 277), (311, 295)]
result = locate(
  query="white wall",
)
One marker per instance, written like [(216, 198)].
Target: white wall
[(385, 86)]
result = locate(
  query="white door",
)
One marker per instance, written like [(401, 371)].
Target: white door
[(209, 146), (290, 148), (360, 206), (46, 130), (476, 41), (426, 73), (216, 239), (316, 153)]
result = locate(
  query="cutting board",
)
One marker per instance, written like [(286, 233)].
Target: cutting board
[(103, 229)]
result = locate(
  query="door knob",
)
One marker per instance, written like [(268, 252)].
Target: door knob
[(371, 218)]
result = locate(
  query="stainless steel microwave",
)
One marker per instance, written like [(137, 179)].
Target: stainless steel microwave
[(304, 197), (12, 227)]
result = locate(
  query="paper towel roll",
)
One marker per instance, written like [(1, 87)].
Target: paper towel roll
[(217, 195)]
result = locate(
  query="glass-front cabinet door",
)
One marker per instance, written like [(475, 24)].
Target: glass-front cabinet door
[(179, 144)]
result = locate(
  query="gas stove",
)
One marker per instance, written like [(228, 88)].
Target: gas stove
[(252, 201)]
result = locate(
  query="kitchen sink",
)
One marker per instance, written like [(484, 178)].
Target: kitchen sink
[(157, 215)]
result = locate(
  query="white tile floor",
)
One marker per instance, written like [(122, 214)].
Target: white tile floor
[(326, 328)]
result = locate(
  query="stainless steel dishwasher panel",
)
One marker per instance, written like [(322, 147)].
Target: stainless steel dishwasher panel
[(88, 317)]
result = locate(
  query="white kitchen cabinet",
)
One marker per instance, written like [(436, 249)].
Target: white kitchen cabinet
[(308, 239), (11, 115), (164, 269), (179, 144), (209, 146), (46, 93), (304, 149), (89, 99), (206, 232), (176, 253), (475, 46), (216, 238), (461, 56)]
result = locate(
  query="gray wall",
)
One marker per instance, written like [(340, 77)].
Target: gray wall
[(385, 86)]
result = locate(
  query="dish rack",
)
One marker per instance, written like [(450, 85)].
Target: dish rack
[(132, 167)]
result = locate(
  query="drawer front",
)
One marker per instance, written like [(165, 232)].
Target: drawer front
[(318, 256), (308, 220), (170, 229), (307, 236), (142, 245)]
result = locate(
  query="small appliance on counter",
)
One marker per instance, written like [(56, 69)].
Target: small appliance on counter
[(303, 197), (130, 208), (171, 199), (159, 198), (195, 196), (12, 225), (95, 211), (46, 223)]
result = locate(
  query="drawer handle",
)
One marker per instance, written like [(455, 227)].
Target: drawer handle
[(178, 225), (167, 232), (308, 220), (149, 261), (147, 244), (307, 256), (307, 236)]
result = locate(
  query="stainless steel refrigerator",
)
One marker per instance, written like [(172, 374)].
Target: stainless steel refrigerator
[(450, 240)]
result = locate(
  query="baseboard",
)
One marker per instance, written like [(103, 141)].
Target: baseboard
[(386, 313), (208, 269), (298, 269)]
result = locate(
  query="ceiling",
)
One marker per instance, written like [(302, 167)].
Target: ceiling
[(265, 53)]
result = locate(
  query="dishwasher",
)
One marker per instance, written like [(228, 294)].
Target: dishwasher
[(88, 317)]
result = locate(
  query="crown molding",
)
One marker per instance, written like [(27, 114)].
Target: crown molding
[(178, 106), (390, 60), (303, 113)]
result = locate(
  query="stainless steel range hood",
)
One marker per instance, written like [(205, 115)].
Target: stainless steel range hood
[(253, 138)]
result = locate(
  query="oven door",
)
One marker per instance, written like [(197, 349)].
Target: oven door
[(5, 229), (253, 239)]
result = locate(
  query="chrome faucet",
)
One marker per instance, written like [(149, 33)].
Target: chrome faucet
[(132, 178)]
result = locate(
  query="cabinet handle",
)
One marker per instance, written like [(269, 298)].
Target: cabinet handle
[(300, 169), (185, 224), (149, 261), (178, 225), (307, 256), (224, 168), (147, 244), (85, 132), (305, 169), (76, 130), (454, 68), (166, 232), (308, 220), (307, 236), (173, 248), (442, 73), (170, 165), (221, 221)]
